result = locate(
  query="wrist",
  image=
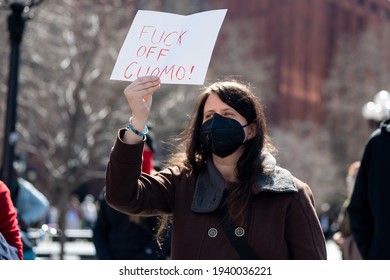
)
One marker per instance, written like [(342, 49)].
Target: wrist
[(138, 128)]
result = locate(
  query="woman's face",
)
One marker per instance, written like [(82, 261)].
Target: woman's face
[(215, 105)]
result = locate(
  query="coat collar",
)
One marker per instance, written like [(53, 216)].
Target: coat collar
[(210, 185)]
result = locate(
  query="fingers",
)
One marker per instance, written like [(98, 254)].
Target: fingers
[(139, 95), (145, 85)]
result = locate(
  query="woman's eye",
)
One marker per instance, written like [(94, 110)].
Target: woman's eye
[(206, 117)]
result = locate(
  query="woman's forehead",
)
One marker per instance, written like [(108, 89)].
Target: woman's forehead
[(214, 103), (213, 100)]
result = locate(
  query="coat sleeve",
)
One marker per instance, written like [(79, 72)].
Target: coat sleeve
[(130, 191), (304, 234), (8, 220)]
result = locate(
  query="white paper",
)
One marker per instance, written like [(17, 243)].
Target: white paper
[(174, 47)]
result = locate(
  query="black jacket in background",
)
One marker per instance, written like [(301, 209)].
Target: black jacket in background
[(369, 208), (117, 238)]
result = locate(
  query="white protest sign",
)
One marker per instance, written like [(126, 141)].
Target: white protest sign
[(174, 47)]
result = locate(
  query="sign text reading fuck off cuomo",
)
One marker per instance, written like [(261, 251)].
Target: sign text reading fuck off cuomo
[(173, 47), (161, 43)]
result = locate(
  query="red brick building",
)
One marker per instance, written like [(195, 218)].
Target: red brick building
[(303, 35)]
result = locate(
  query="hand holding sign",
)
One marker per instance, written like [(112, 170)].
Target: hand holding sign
[(173, 47)]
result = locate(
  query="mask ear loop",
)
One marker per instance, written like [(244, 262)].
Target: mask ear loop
[(249, 136)]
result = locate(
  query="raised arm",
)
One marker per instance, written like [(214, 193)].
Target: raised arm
[(139, 97)]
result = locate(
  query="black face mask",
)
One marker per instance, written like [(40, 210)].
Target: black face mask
[(222, 136)]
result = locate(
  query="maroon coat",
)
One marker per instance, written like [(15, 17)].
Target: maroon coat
[(283, 222)]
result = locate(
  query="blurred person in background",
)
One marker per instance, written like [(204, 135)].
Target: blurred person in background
[(11, 246), (32, 207), (343, 236), (73, 216), (88, 211), (369, 208)]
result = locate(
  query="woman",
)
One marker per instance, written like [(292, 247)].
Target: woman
[(224, 172)]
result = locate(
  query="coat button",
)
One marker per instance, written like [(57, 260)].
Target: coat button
[(239, 232), (213, 232)]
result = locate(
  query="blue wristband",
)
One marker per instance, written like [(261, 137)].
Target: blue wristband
[(131, 127)]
